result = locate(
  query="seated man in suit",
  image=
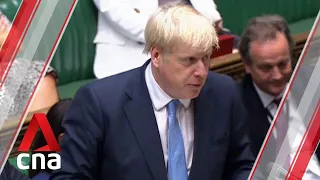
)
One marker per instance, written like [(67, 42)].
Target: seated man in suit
[(266, 48), (169, 119)]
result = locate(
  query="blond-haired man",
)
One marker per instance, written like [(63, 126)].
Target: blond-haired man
[(169, 119)]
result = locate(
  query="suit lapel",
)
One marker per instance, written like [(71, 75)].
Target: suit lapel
[(141, 117), (204, 110), (258, 120)]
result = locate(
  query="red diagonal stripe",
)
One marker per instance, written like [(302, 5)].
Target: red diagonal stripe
[(16, 35), (13, 42), (303, 139), (307, 146)]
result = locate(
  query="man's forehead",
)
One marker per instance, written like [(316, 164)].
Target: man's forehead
[(273, 61), (190, 51), (269, 52)]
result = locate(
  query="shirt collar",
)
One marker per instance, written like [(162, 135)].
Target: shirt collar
[(158, 97), (265, 97)]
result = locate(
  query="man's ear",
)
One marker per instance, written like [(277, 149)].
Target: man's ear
[(60, 137), (247, 67), (156, 56)]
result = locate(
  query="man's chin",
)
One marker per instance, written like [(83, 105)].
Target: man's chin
[(194, 94), (191, 95), (276, 91)]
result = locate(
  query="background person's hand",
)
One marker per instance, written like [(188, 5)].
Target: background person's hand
[(5, 24)]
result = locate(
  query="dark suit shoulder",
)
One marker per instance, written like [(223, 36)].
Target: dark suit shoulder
[(115, 81), (115, 84), (222, 79), (246, 87), (220, 83), (110, 94)]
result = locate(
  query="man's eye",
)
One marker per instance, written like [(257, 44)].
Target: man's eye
[(192, 59), (206, 58), (189, 61), (266, 68), (282, 65)]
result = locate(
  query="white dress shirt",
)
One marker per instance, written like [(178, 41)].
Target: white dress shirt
[(185, 116), (295, 131)]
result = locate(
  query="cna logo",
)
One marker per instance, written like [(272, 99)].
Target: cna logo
[(39, 120)]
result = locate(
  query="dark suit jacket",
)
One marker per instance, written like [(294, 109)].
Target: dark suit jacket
[(258, 123), (257, 116), (11, 173), (111, 132)]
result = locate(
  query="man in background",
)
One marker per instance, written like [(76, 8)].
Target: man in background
[(266, 48)]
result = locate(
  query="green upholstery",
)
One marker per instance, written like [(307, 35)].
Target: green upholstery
[(302, 26), (74, 57), (236, 13), (69, 90), (9, 7)]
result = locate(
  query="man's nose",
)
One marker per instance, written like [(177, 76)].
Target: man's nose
[(276, 73), (201, 69)]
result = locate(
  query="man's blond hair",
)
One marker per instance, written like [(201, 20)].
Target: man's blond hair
[(178, 24)]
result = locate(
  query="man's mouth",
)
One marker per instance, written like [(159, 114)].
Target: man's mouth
[(195, 85)]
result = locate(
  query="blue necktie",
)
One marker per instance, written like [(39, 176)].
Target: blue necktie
[(177, 169)]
